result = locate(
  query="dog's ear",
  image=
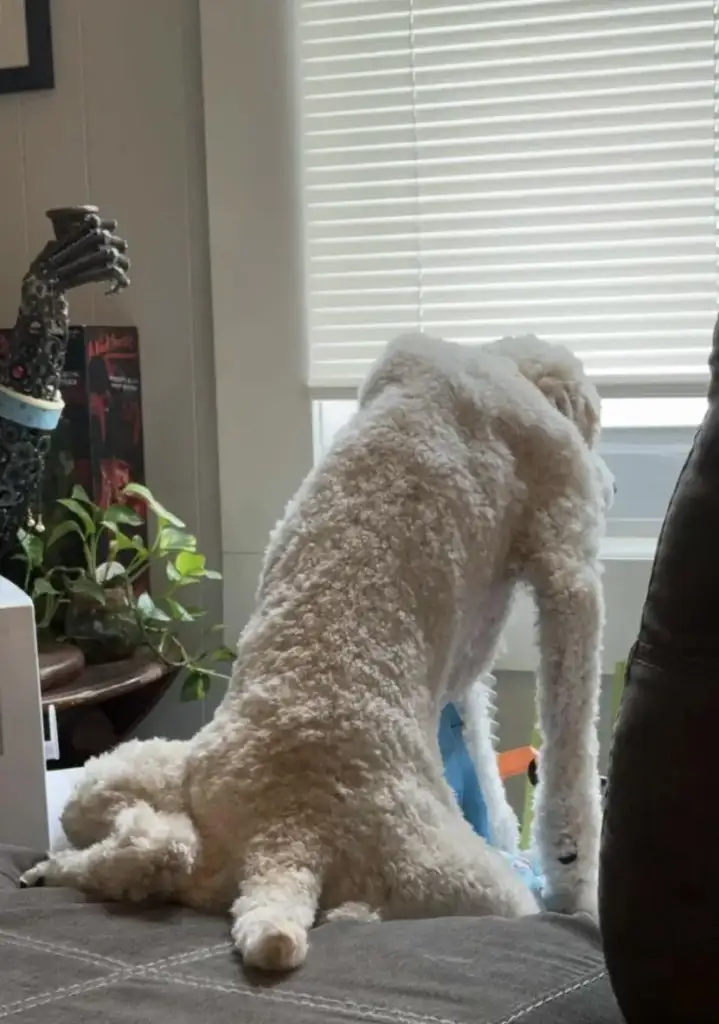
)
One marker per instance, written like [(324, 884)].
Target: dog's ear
[(560, 377), (578, 400)]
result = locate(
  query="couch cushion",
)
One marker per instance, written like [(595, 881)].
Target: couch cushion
[(64, 960)]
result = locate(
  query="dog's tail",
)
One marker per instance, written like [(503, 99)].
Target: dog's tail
[(277, 908)]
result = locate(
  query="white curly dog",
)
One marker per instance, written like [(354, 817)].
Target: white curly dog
[(385, 589)]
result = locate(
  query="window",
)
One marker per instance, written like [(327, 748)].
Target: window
[(483, 168)]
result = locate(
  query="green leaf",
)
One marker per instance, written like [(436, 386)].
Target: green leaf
[(88, 588), (43, 588), (50, 605), (61, 530), (149, 610), (195, 611), (223, 654), (121, 515), (190, 563), (190, 566), (121, 542), (80, 494), (81, 513), (196, 686), (111, 570), (178, 611), (33, 548), (172, 539), (176, 579), (48, 615), (146, 495), (172, 573)]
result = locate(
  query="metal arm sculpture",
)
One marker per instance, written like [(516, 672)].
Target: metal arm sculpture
[(85, 249)]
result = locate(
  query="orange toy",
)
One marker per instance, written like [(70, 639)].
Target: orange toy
[(515, 762)]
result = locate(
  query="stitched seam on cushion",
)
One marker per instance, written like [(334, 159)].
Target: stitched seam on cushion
[(551, 998), (31, 1002), (61, 949), (348, 1006), (67, 991)]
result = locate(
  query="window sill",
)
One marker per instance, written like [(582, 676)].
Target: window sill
[(628, 549)]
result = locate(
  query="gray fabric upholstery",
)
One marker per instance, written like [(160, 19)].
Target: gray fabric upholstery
[(64, 960), (13, 861)]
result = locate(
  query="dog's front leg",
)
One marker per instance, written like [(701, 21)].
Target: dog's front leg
[(568, 809)]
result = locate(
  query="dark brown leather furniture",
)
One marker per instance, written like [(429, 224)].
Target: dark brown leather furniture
[(658, 893)]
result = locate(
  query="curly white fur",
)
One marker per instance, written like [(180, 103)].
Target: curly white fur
[(478, 710), (385, 589)]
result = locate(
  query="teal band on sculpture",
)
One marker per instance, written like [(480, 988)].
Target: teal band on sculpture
[(18, 410)]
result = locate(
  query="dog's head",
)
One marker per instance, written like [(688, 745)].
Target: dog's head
[(560, 377)]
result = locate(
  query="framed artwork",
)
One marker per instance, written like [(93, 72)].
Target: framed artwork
[(25, 46)]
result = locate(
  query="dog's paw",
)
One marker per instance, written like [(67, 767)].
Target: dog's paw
[(269, 945), (350, 912), (581, 899), (34, 876)]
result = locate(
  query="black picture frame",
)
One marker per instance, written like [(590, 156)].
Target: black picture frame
[(39, 72)]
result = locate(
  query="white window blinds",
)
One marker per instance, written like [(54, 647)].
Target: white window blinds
[(500, 166)]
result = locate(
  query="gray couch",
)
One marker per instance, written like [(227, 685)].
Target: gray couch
[(65, 960)]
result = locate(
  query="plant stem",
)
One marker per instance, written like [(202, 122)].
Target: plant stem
[(185, 660), (133, 571)]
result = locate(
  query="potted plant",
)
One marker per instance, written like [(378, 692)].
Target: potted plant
[(100, 604)]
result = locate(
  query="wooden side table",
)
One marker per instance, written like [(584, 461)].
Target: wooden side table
[(104, 704), (59, 663)]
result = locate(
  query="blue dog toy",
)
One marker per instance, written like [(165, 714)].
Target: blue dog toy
[(461, 775)]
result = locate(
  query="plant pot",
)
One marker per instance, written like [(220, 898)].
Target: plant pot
[(60, 664), (106, 632)]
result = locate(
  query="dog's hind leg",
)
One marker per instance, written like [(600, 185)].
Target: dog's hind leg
[(453, 871), (148, 854), (277, 905), (568, 805)]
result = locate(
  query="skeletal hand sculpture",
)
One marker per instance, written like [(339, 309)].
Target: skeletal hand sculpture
[(85, 249)]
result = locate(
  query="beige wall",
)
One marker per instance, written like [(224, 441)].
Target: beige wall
[(124, 129), (263, 404)]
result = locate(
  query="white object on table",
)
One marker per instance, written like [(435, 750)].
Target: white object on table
[(31, 798), (60, 785), (23, 797)]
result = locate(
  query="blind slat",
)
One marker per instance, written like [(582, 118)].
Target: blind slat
[(501, 166)]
